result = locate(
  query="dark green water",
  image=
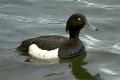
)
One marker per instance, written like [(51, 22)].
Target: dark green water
[(23, 19)]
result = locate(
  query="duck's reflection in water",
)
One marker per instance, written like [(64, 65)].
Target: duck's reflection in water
[(80, 72)]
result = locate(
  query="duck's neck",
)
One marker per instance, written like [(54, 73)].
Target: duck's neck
[(74, 35)]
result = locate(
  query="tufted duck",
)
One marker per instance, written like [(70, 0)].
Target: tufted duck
[(56, 46)]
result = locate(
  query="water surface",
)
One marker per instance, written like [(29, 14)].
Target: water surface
[(23, 19)]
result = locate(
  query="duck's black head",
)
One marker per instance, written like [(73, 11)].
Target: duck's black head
[(75, 23)]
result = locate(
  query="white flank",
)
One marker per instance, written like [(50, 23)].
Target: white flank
[(38, 53)]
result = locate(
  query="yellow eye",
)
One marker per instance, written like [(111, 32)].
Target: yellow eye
[(79, 19)]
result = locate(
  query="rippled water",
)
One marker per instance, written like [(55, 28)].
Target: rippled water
[(23, 19)]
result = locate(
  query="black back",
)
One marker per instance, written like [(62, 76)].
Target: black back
[(49, 42)]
